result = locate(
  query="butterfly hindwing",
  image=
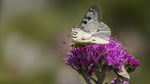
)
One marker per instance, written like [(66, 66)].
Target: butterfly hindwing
[(102, 34), (79, 35)]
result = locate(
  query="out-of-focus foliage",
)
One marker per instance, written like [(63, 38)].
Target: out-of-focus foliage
[(32, 32)]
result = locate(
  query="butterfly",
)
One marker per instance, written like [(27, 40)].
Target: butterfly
[(91, 30), (122, 72)]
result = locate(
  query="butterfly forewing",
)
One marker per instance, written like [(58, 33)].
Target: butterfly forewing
[(91, 20)]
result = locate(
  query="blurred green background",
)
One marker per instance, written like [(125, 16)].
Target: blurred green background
[(32, 32)]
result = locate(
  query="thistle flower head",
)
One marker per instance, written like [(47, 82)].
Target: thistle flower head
[(111, 55)]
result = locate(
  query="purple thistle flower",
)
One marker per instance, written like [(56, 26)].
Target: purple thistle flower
[(112, 55), (125, 82)]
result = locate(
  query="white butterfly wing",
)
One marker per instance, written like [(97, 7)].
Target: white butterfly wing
[(91, 20), (102, 35), (81, 36), (122, 72)]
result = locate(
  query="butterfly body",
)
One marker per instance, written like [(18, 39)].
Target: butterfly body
[(91, 30)]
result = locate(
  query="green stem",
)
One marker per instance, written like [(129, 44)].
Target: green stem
[(86, 78), (83, 75), (94, 80), (101, 75)]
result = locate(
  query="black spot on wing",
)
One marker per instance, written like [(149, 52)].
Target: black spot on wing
[(87, 17), (85, 22), (96, 11), (98, 30), (82, 27)]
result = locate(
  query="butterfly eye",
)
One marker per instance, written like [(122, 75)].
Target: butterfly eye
[(72, 44), (79, 44)]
